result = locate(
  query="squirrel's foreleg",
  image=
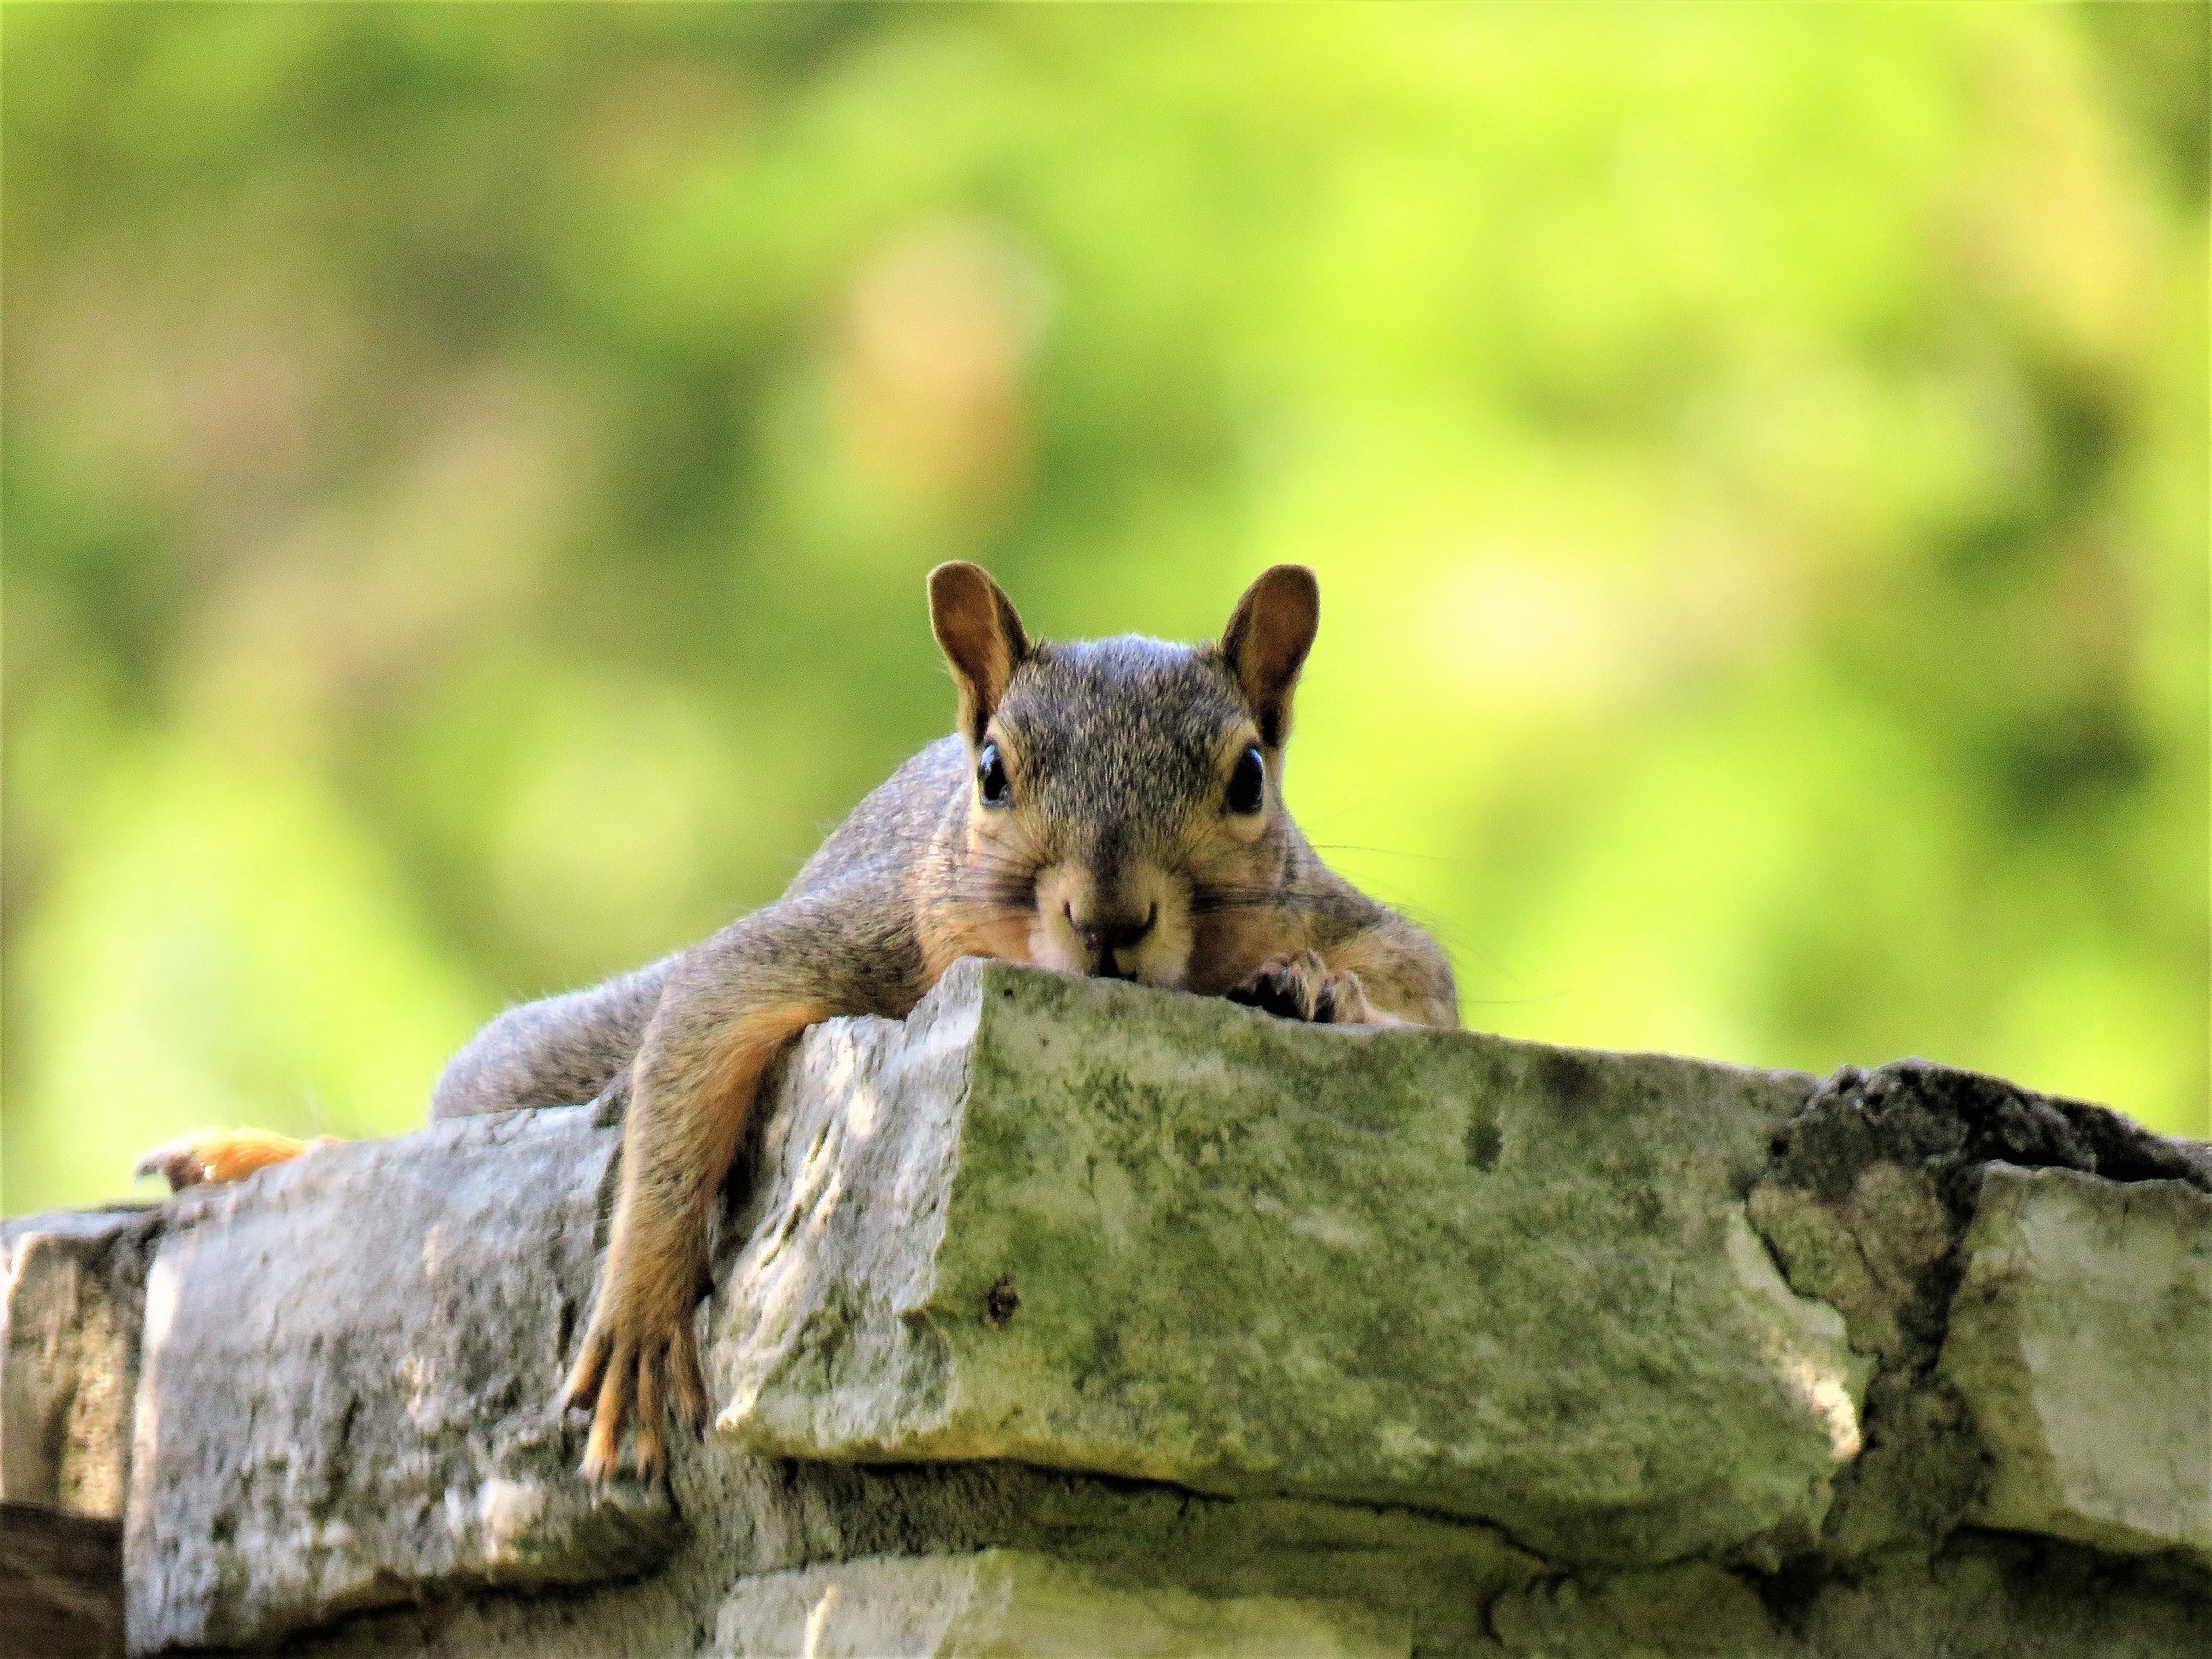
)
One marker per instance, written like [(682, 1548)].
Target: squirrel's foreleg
[(1386, 973), (726, 1012), (1405, 975), (691, 1097)]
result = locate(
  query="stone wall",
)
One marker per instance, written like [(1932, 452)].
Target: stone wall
[(1069, 1318)]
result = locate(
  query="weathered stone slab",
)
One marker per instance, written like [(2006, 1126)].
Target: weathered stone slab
[(1091, 1226), (71, 1283), (756, 1521), (1867, 1204), (347, 1385), (1332, 1297), (2081, 1339), (1011, 1602)]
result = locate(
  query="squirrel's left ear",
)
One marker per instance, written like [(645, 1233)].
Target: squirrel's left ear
[(1266, 640), (981, 637)]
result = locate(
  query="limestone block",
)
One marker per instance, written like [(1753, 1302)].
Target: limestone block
[(1865, 1255), (347, 1382), (1011, 1602), (70, 1289), (757, 1526), (2081, 1339), (1087, 1225)]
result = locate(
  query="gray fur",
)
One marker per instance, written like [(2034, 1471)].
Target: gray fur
[(1122, 738), (558, 1051), (568, 1049)]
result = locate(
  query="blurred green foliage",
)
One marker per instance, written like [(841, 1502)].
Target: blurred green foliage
[(469, 472)]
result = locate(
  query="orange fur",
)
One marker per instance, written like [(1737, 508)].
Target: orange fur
[(215, 1156)]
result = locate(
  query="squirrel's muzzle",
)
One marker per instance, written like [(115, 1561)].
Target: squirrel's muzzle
[(1105, 935), (1135, 926)]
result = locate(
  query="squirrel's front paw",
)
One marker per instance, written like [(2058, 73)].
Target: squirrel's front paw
[(1304, 987), (633, 1369)]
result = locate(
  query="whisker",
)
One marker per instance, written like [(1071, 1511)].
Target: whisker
[(1021, 890), (994, 864), (1210, 900), (1443, 859), (1009, 890), (989, 901)]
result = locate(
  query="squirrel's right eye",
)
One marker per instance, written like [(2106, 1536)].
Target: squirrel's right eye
[(990, 777)]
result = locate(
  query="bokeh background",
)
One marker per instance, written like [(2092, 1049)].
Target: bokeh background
[(469, 472)]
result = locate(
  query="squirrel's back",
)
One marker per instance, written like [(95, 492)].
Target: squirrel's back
[(565, 1049)]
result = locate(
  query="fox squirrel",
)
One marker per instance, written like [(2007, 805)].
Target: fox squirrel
[(1111, 809)]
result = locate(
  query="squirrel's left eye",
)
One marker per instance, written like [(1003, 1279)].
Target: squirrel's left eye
[(1248, 783), (990, 777)]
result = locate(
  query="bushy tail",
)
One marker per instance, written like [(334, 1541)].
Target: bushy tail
[(213, 1156)]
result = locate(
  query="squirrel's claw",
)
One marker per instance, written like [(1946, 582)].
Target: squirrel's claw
[(634, 1385), (1304, 987), (581, 1387), (603, 1448), (690, 1386)]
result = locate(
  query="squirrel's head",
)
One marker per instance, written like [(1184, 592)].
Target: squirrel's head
[(1124, 807)]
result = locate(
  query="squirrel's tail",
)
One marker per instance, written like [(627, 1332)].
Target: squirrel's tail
[(213, 1156)]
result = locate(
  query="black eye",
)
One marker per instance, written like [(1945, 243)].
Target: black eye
[(990, 777), (1248, 783)]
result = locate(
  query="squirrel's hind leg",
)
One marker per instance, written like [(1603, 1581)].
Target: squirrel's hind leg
[(211, 1157)]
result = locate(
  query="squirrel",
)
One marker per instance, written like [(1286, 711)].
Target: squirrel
[(1110, 808)]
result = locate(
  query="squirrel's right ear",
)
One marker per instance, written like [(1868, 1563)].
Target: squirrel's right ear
[(981, 637), (1266, 640)]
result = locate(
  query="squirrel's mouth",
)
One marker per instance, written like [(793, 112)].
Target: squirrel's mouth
[(1147, 942)]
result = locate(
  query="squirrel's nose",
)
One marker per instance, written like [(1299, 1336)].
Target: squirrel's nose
[(1103, 935)]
